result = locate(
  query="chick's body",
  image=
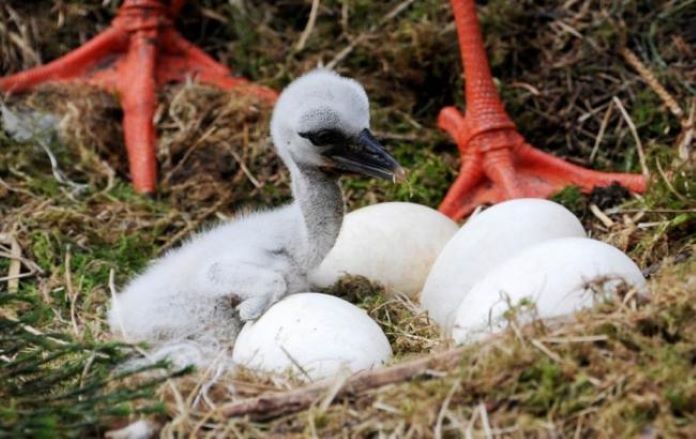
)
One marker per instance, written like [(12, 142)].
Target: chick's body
[(198, 294), (197, 286)]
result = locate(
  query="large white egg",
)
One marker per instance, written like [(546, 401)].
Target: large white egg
[(559, 277), (394, 244), (313, 335), (486, 240)]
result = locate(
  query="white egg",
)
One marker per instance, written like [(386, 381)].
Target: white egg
[(485, 241), (394, 244), (313, 335), (559, 277)]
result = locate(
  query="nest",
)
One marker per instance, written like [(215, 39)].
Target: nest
[(621, 369)]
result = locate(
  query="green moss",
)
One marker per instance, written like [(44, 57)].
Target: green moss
[(572, 198)]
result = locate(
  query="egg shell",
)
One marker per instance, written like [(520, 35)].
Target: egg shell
[(486, 240), (322, 334), (394, 244), (559, 276)]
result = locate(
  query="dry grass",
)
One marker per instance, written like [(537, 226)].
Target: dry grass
[(622, 369)]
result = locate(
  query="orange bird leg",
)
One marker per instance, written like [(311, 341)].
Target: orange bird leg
[(497, 164), (586, 179), (139, 102), (470, 174), (184, 59), (137, 53), (70, 66)]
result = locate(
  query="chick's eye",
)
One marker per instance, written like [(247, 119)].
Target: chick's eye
[(324, 137)]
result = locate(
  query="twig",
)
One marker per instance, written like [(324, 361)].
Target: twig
[(333, 391), (19, 276), (687, 134), (276, 404), (578, 427), (568, 28), (72, 295), (309, 27), (552, 355), (85, 371), (634, 133), (652, 82), (603, 217), (27, 262), (13, 274), (245, 170), (469, 432), (488, 434), (670, 187), (615, 210), (577, 339), (437, 432), (16, 261), (600, 134), (529, 87)]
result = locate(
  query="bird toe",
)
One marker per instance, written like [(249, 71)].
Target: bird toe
[(252, 308)]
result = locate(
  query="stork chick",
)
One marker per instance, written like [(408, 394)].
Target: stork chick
[(235, 271)]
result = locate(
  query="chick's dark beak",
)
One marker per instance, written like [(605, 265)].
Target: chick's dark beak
[(366, 156)]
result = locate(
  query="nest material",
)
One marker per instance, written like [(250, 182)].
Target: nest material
[(620, 369)]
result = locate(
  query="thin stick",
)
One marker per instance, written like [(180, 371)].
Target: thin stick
[(72, 295), (437, 432), (469, 433), (600, 134), (687, 135), (603, 217), (13, 274), (670, 187), (552, 355), (634, 133), (578, 339), (31, 265), (649, 78), (309, 27), (275, 404), (245, 170), (19, 276), (488, 434), (333, 391)]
